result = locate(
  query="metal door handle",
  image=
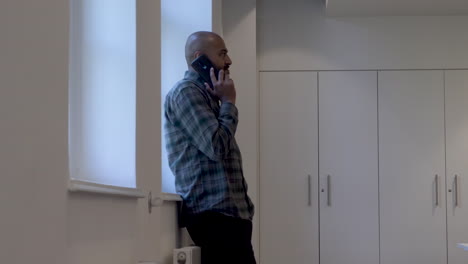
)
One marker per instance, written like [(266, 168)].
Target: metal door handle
[(328, 190), (309, 188), (456, 191), (437, 190)]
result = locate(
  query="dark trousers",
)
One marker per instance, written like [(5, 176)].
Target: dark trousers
[(222, 239)]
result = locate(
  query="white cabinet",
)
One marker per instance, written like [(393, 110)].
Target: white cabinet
[(363, 167), (288, 168), (412, 167), (348, 159), (456, 94)]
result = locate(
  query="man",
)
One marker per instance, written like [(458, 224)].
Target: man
[(204, 156)]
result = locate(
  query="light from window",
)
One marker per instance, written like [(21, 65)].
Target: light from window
[(180, 18), (103, 91)]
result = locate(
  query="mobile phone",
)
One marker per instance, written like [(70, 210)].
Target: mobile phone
[(203, 65)]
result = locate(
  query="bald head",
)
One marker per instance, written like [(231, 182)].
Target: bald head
[(201, 42)]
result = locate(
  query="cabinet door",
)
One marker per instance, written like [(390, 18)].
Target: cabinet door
[(456, 89), (412, 167), (348, 162), (288, 168)]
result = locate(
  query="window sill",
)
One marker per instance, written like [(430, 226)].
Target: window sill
[(463, 245), (91, 187), (171, 197)]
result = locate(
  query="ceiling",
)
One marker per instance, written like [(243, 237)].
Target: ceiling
[(396, 7)]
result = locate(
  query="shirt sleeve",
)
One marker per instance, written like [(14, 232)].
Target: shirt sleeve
[(212, 135)]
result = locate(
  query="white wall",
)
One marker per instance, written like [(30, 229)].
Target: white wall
[(296, 35), (239, 26), (40, 221), (217, 16), (101, 229), (34, 129)]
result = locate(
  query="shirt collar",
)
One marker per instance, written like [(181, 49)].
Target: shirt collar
[(194, 76)]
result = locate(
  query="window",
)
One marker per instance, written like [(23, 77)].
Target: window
[(179, 18), (103, 91)]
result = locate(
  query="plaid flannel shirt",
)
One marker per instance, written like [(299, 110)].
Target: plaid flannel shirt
[(202, 151)]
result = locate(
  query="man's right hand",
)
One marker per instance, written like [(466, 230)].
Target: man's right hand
[(223, 87)]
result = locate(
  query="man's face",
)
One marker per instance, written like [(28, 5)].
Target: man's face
[(217, 54)]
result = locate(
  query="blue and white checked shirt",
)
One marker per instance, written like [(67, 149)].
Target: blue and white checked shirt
[(202, 151)]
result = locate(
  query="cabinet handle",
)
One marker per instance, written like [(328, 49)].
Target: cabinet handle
[(456, 190), (309, 189), (437, 190), (328, 190)]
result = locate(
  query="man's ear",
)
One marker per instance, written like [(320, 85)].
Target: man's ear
[(197, 54)]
